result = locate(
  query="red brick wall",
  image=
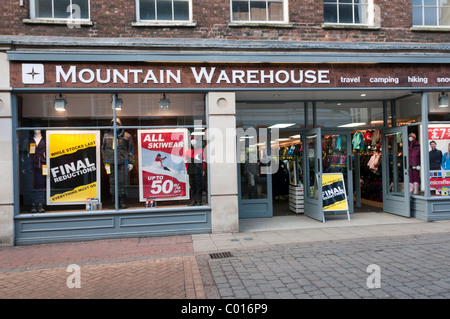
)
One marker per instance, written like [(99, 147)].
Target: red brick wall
[(114, 19)]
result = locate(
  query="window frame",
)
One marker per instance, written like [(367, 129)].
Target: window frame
[(285, 4), (146, 22), (33, 16), (370, 11), (438, 7)]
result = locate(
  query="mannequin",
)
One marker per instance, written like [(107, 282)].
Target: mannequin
[(125, 160), (35, 150), (414, 164), (195, 169)]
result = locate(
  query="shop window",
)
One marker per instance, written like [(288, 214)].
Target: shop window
[(415, 160), (164, 10), (408, 110), (349, 114), (258, 11), (59, 9), (67, 159), (438, 110), (431, 13), (347, 11)]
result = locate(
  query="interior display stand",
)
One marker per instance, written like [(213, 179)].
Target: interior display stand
[(296, 203)]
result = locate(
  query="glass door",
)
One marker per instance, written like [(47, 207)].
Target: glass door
[(312, 157), (254, 176), (337, 158), (396, 198)]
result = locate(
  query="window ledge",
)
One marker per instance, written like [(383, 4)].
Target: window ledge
[(58, 21), (261, 24), (163, 24), (350, 26), (431, 28)]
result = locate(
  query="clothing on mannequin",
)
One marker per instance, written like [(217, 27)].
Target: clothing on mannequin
[(125, 160), (195, 169), (35, 148), (414, 164)]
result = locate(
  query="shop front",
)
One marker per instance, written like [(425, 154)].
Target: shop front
[(120, 149)]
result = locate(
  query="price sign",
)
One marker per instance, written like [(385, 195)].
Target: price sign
[(439, 133)]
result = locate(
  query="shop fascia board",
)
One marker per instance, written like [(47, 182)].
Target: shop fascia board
[(218, 57), (183, 50)]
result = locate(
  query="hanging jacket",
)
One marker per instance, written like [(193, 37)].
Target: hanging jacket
[(358, 141)]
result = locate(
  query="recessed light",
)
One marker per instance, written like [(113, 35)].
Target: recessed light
[(363, 94)]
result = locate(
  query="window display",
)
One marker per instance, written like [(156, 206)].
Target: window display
[(439, 157), (68, 159)]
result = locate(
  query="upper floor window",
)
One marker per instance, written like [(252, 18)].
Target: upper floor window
[(59, 9), (259, 11), (347, 11), (164, 10), (431, 12)]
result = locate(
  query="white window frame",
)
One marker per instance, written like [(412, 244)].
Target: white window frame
[(438, 6), (267, 21), (33, 16), (370, 15), (143, 22)]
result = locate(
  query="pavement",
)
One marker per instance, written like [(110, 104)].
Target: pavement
[(373, 256)]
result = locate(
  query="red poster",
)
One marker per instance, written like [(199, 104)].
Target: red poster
[(162, 169), (439, 133)]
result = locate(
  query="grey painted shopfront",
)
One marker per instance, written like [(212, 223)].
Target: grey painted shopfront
[(223, 97)]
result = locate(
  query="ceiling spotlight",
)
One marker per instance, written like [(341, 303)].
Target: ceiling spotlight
[(443, 100), (164, 103), (60, 103), (117, 102)]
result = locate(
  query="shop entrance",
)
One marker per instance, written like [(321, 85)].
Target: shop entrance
[(365, 140), (326, 152)]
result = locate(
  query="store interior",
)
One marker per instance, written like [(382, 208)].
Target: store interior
[(360, 115)]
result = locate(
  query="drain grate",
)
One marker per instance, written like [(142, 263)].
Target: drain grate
[(225, 254)]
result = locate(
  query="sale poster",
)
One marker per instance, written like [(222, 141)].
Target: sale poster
[(334, 196), (162, 169), (439, 159), (73, 173)]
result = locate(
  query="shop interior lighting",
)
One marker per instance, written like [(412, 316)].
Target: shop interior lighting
[(352, 124), (443, 100), (60, 103), (164, 103), (119, 103), (281, 125)]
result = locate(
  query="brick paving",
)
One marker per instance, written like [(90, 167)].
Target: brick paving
[(147, 268), (410, 267)]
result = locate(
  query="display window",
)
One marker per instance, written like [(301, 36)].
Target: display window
[(73, 155), (439, 159), (408, 110)]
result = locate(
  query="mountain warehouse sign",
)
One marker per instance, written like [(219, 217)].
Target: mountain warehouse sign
[(202, 75), (135, 75)]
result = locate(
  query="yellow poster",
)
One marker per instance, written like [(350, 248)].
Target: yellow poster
[(73, 168), (333, 192)]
